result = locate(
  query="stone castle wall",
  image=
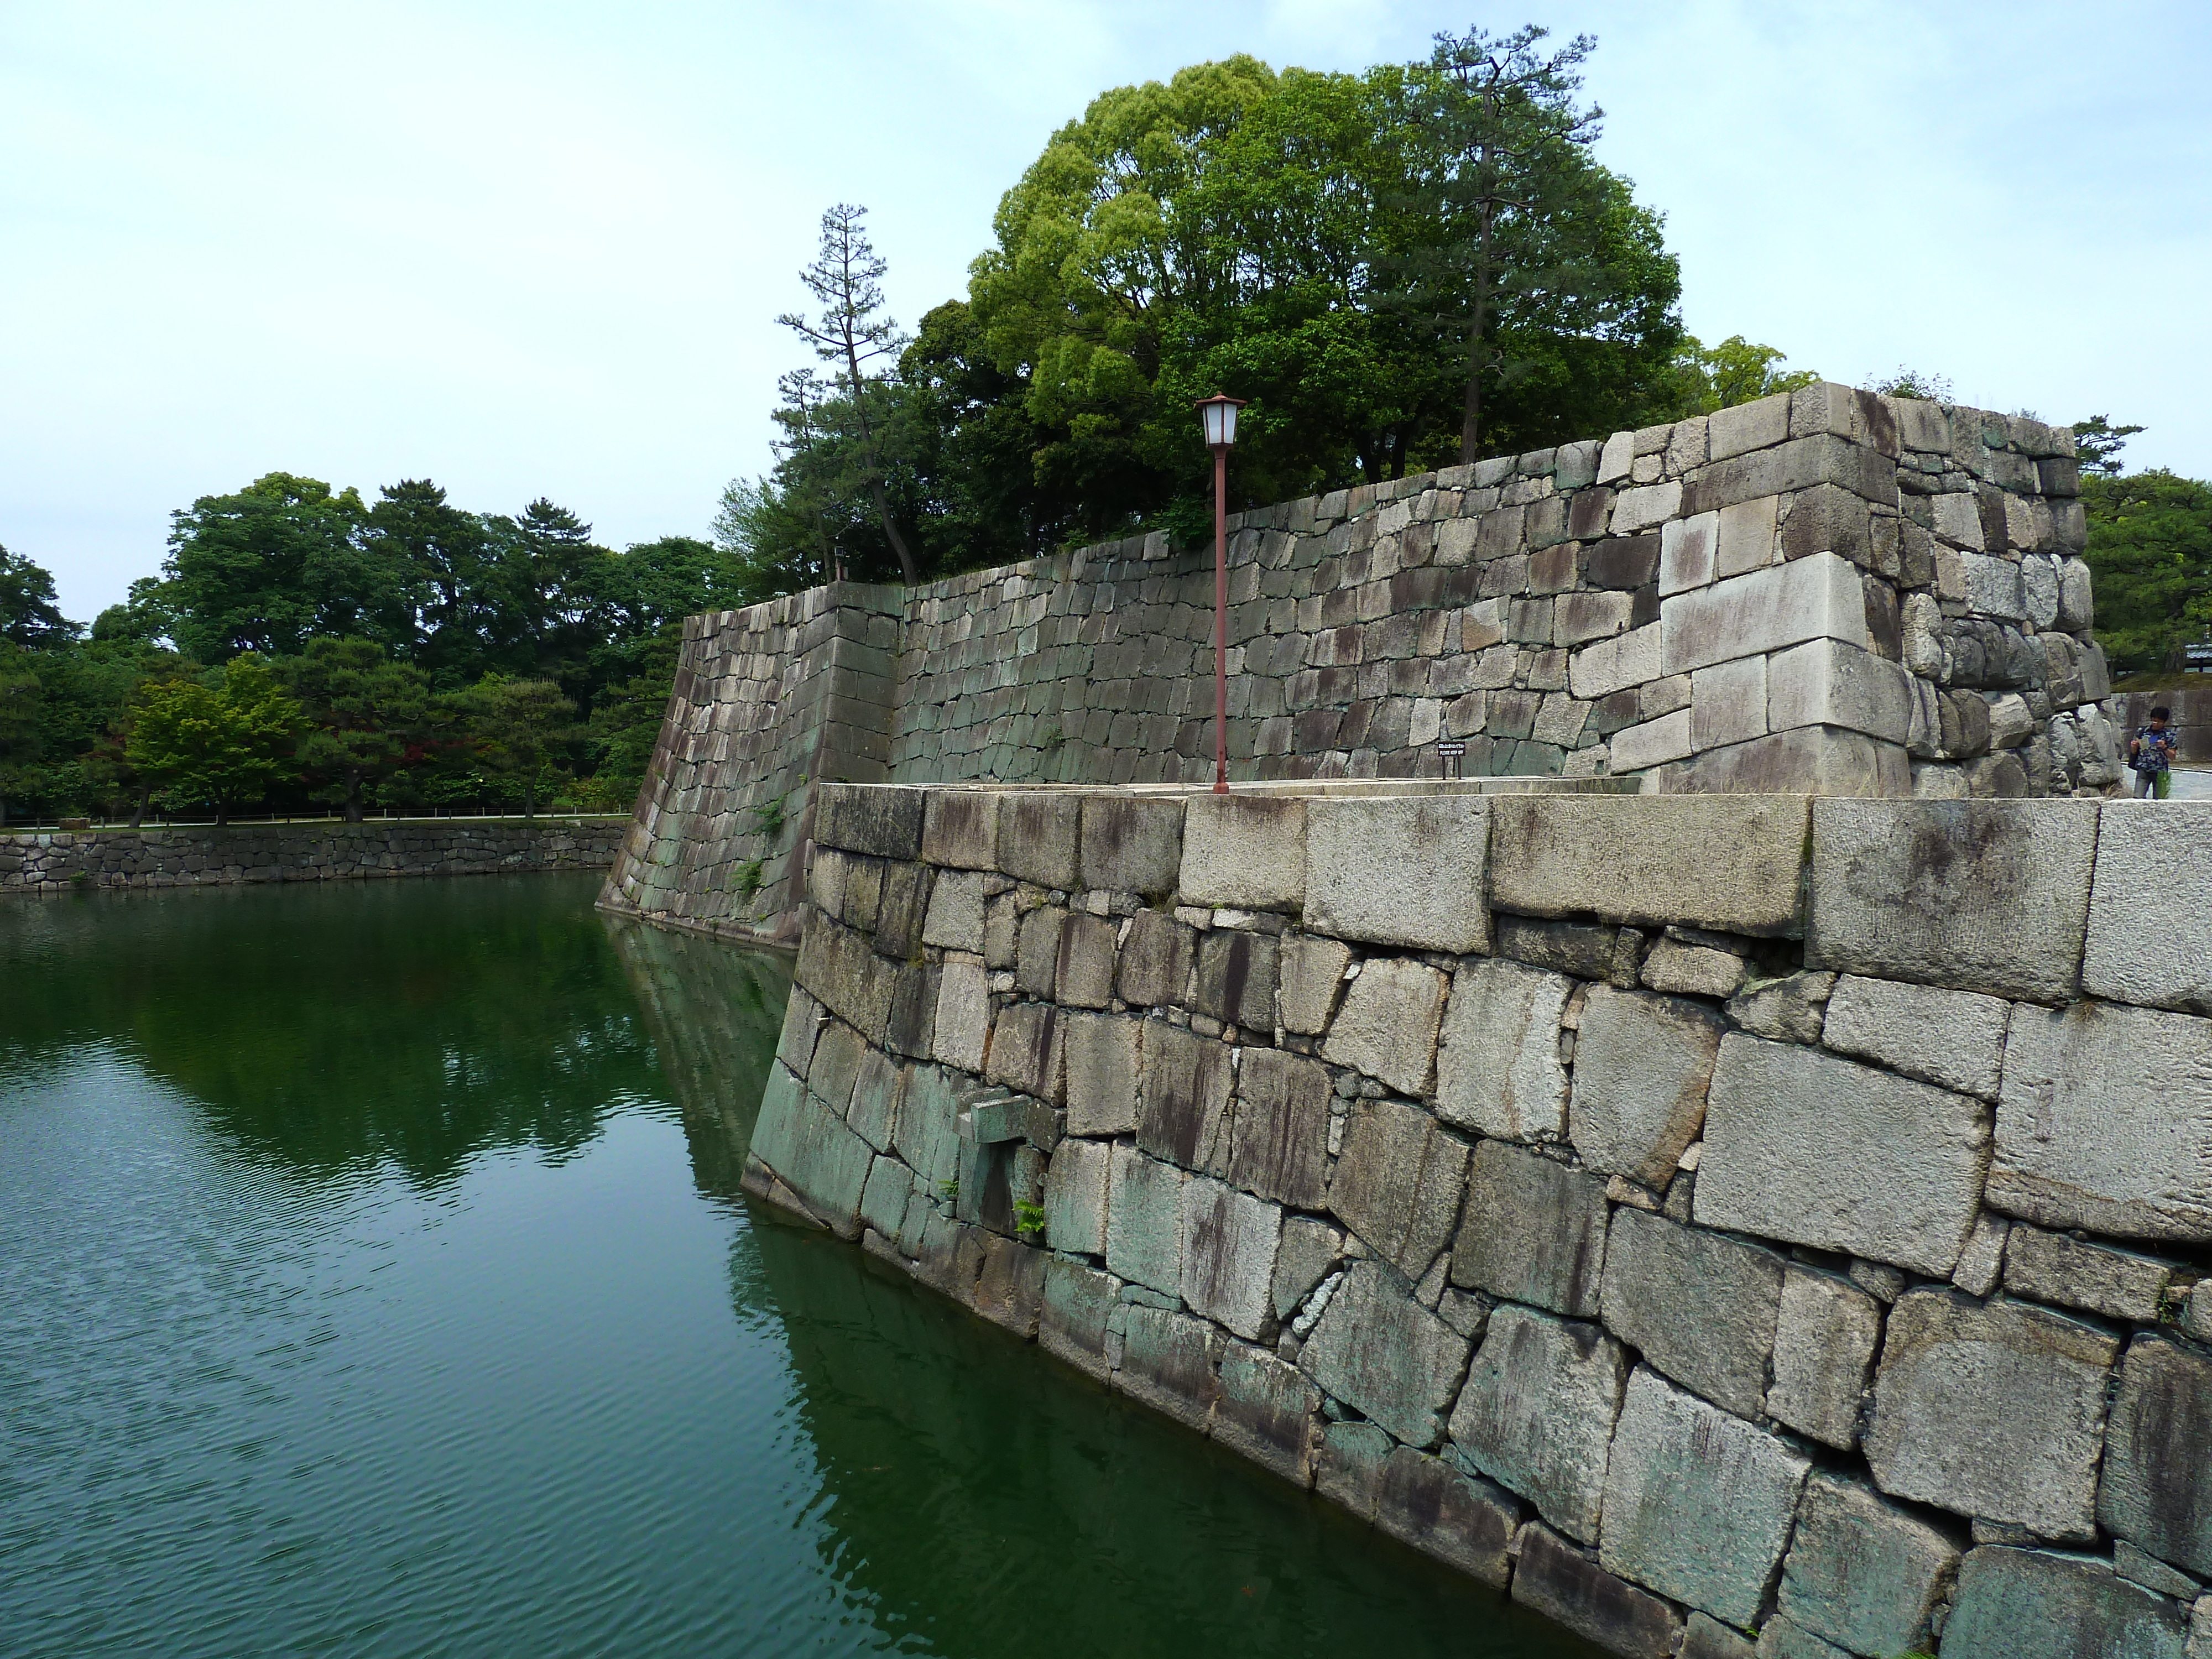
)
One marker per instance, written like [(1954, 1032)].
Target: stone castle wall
[(1825, 593), (204, 855), (1699, 1216)]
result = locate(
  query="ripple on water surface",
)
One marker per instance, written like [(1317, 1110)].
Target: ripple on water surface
[(373, 1281)]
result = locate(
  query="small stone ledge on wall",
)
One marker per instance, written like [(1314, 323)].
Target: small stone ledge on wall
[(1733, 1224), (204, 856)]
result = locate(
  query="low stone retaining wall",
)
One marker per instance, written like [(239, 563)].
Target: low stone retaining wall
[(1737, 1225), (62, 862)]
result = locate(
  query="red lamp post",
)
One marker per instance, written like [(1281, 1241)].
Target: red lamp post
[(1219, 414)]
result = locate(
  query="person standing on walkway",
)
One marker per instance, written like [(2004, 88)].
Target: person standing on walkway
[(2150, 751)]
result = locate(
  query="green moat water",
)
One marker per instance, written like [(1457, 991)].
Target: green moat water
[(373, 1280)]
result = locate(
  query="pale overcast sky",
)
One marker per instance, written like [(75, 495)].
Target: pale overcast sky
[(536, 249)]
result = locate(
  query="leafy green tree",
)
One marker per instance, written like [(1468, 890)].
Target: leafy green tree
[(2150, 554), (363, 714), (29, 615), (221, 744), (20, 697), (436, 559), (849, 334), (267, 568), (1907, 381), (2098, 444), (518, 724), (1734, 371)]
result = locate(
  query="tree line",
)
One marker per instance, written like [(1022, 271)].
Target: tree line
[(303, 647)]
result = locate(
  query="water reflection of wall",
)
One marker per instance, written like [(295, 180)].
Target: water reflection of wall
[(713, 1012)]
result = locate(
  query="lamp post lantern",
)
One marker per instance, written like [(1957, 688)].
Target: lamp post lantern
[(1219, 412)]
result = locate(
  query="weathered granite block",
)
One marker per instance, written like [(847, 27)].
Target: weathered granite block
[(1236, 978), (1387, 1027), (1268, 1412), (1083, 975), (1397, 1183), (1466, 1523), (1072, 1316), (2070, 1272), (1642, 1065), (1036, 958), (1168, 1362), (814, 1153), (1360, 852), (1564, 947), (1027, 1050), (1697, 970), (955, 921), (1132, 844), (1104, 1058), (1538, 1411), (960, 829), (884, 1199), (1863, 1573), (1825, 1338), (1382, 1353), (1182, 1114), (1075, 1196), (880, 819), (1815, 597), (1697, 1503), (877, 1088), (1534, 1231), (1349, 1470), (1038, 838), (1803, 1146), (1996, 1412), (1156, 959), (925, 1134), (1706, 1638), (1826, 682), (1701, 1307), (1144, 1221), (1499, 1070), (1244, 850), (839, 1053), (1010, 1288), (902, 908), (1308, 1251), (1953, 1039), (1229, 1243), (1559, 1582), (2157, 1486), (1279, 1143), (1988, 896), (1311, 968), (846, 975), (2105, 1121), (2039, 1604), (1650, 860), (2150, 911)]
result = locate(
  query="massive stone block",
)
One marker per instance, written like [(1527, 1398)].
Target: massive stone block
[(961, 1032), (1072, 1319), (1820, 597), (1538, 1411), (1701, 1307), (1697, 1503), (1311, 970), (2150, 910), (960, 829), (1144, 1221), (1559, 1582), (1398, 1181), (1075, 1196), (1182, 1114), (1229, 1243), (1642, 1065), (1534, 1231), (880, 819), (1010, 1287), (1278, 1145), (2070, 1272), (1248, 851), (1824, 682), (1036, 952), (2038, 1604), (1465, 1523), (1953, 1039), (1168, 1362), (1083, 974), (2157, 1486), (2105, 1121), (1132, 844), (1027, 1050), (1651, 861), (925, 1133), (1987, 896), (1499, 1070), (1995, 1411), (1803, 1146), (1381, 1351), (1407, 871), (1156, 959), (955, 919), (846, 975), (1825, 1338), (1104, 1057), (1039, 835), (813, 1149), (1236, 978), (1268, 1412), (1862, 1573), (1387, 1027)]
